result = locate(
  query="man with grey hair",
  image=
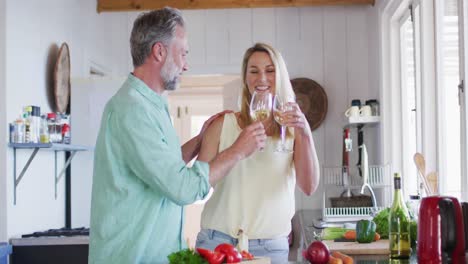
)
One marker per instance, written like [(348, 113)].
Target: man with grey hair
[(141, 179)]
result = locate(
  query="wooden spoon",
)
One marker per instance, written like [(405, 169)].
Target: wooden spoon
[(433, 182), (421, 165), (420, 162)]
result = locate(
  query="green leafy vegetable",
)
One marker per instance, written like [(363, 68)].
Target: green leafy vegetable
[(186, 256), (332, 233), (382, 220)]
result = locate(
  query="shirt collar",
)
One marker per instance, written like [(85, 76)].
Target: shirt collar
[(142, 88)]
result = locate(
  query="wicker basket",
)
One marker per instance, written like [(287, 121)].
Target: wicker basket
[(353, 201)]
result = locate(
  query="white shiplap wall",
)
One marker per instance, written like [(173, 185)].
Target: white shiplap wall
[(3, 132), (30, 34), (327, 44)]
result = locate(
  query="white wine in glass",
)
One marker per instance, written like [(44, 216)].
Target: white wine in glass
[(278, 116), (260, 115), (280, 106), (260, 106)]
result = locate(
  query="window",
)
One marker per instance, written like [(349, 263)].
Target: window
[(449, 111), (410, 97), (427, 100)]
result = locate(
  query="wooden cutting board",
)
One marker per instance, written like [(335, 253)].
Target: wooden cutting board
[(257, 260), (380, 247)]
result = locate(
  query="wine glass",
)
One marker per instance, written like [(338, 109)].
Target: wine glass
[(260, 106), (280, 105)]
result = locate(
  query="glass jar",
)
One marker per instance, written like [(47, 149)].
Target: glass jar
[(44, 130), (52, 124), (413, 203), (374, 105)]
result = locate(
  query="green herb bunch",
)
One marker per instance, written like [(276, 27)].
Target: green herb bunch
[(381, 220), (186, 256)]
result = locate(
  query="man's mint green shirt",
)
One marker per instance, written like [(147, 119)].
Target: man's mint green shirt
[(141, 181)]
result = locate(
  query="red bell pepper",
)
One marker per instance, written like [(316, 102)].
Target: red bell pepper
[(231, 253), (210, 256)]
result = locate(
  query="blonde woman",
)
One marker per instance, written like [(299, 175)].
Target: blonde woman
[(253, 205)]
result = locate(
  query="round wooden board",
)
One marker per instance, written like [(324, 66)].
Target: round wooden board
[(62, 79), (312, 100)]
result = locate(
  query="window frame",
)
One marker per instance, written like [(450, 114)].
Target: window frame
[(431, 137), (463, 41), (439, 7), (408, 167)]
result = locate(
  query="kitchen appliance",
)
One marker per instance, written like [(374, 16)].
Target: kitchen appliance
[(53, 246), (441, 231), (465, 225)]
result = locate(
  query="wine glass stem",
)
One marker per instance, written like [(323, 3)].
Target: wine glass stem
[(283, 135)]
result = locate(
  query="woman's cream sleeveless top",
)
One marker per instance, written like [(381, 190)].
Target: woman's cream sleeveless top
[(257, 195)]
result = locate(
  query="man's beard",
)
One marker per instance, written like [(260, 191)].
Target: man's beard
[(170, 74), (171, 85)]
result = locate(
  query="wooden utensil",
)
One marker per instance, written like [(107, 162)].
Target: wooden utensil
[(421, 165), (433, 182)]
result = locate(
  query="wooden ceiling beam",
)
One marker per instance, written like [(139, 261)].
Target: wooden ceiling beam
[(139, 5)]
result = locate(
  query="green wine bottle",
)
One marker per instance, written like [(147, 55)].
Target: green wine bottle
[(399, 226)]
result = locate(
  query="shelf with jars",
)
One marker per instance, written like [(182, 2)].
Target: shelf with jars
[(35, 147)]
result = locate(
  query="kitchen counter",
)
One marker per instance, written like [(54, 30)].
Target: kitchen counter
[(372, 259), (307, 218), (50, 250), (50, 241)]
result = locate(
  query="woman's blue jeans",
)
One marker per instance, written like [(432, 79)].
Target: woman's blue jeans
[(275, 249)]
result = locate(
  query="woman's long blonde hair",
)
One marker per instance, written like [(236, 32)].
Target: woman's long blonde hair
[(282, 83)]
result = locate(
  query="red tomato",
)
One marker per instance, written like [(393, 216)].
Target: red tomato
[(317, 253), (247, 255)]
